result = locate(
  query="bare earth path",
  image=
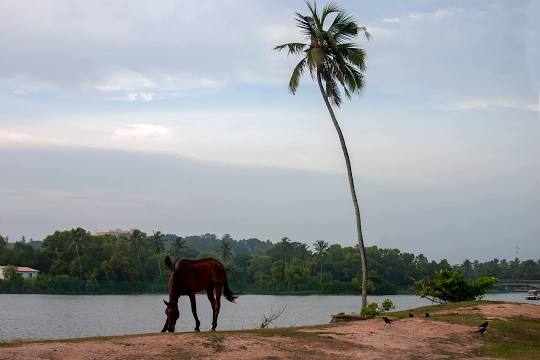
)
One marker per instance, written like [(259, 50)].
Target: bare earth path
[(407, 338)]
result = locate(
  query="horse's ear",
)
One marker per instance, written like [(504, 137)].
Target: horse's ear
[(165, 301), (169, 263)]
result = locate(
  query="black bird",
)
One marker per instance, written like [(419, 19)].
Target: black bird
[(387, 320), (482, 330), (427, 314), (484, 325), (411, 315)]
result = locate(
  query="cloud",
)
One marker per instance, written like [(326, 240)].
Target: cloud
[(491, 103), (24, 138), (142, 131), (133, 97), (422, 15), (434, 15), (138, 46), (124, 80)]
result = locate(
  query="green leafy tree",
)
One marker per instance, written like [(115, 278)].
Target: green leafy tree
[(330, 55), (320, 248), (179, 246), (451, 286), (10, 273), (225, 250)]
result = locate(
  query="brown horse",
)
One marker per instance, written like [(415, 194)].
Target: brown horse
[(189, 277)]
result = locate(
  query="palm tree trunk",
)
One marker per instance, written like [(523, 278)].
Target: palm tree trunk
[(78, 259), (353, 192), (320, 281), (159, 265)]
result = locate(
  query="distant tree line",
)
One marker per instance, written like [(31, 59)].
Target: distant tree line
[(75, 261)]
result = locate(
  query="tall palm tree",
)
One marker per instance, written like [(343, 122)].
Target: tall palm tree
[(76, 242), (320, 248), (330, 55), (157, 241), (136, 238), (179, 246), (285, 247), (225, 250)]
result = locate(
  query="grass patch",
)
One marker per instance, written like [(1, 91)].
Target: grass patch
[(421, 311), (515, 338), (511, 338)]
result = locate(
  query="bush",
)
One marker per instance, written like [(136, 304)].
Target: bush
[(373, 309), (370, 311), (387, 305), (451, 286)]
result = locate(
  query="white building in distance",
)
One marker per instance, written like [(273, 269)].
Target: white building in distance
[(25, 272)]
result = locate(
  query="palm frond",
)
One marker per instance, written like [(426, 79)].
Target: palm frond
[(354, 55), (365, 31), (314, 14), (331, 87), (307, 25), (354, 78), (294, 48), (329, 9), (343, 27), (296, 75)]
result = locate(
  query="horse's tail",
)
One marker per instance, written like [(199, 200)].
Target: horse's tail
[(229, 295)]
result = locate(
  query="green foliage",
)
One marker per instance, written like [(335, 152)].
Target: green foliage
[(387, 305), (10, 273), (451, 286), (370, 311), (329, 51), (373, 309), (135, 264)]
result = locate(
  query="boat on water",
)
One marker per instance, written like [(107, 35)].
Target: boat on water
[(532, 295)]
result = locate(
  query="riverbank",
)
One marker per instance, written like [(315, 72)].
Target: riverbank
[(513, 332)]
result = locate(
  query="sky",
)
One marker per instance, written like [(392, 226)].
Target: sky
[(175, 116)]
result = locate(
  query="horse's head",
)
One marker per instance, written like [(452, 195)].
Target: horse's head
[(173, 314)]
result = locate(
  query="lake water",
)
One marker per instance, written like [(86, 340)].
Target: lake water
[(68, 316)]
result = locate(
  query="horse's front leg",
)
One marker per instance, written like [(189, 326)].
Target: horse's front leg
[(194, 311), (166, 326)]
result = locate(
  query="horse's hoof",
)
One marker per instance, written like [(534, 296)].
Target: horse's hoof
[(197, 330), (212, 330)]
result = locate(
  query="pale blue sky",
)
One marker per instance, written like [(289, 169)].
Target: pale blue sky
[(444, 138)]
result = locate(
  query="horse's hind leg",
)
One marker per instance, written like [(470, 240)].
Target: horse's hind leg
[(210, 293), (194, 311), (217, 307)]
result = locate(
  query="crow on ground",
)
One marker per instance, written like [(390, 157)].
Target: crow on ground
[(481, 330), (484, 325), (411, 315), (387, 321)]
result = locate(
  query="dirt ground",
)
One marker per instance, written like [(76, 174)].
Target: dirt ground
[(409, 338), (499, 311)]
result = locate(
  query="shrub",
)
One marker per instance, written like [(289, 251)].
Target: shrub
[(373, 309), (387, 305), (370, 311), (451, 286)]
